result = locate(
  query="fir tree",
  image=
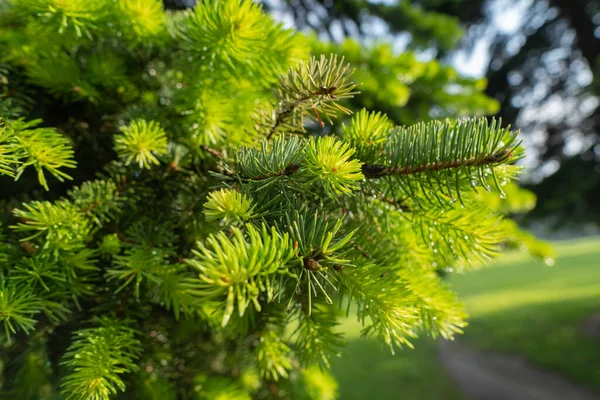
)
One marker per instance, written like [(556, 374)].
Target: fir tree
[(184, 216)]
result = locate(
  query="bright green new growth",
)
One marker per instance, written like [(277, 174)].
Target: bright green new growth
[(367, 129), (328, 161), (229, 29), (97, 358), (141, 141), (22, 145), (7, 156), (273, 357), (226, 204), (241, 269), (217, 228), (61, 224), (145, 18)]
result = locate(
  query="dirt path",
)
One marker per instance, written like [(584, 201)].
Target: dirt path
[(489, 376)]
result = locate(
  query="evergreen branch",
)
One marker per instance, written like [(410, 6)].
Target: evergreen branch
[(439, 157), (327, 162), (61, 75), (141, 20), (271, 230), (218, 387), (141, 141), (318, 238), (178, 290), (277, 159), (456, 240), (419, 248), (307, 90), (382, 301), (99, 200), (321, 246), (227, 204), (34, 374), (319, 383), (366, 133), (273, 356), (228, 29), (37, 273), (17, 308), (240, 269), (97, 359), (135, 265), (43, 149), (445, 156), (61, 224), (439, 311), (377, 171), (8, 158), (76, 15), (110, 245), (315, 338)]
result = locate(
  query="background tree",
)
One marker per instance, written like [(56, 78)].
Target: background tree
[(545, 76)]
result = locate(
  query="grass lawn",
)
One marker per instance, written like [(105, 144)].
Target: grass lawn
[(522, 307), (368, 371)]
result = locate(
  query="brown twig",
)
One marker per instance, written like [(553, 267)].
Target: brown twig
[(281, 116), (212, 151), (377, 171)]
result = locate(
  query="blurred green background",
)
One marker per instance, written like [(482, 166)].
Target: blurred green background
[(549, 316)]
